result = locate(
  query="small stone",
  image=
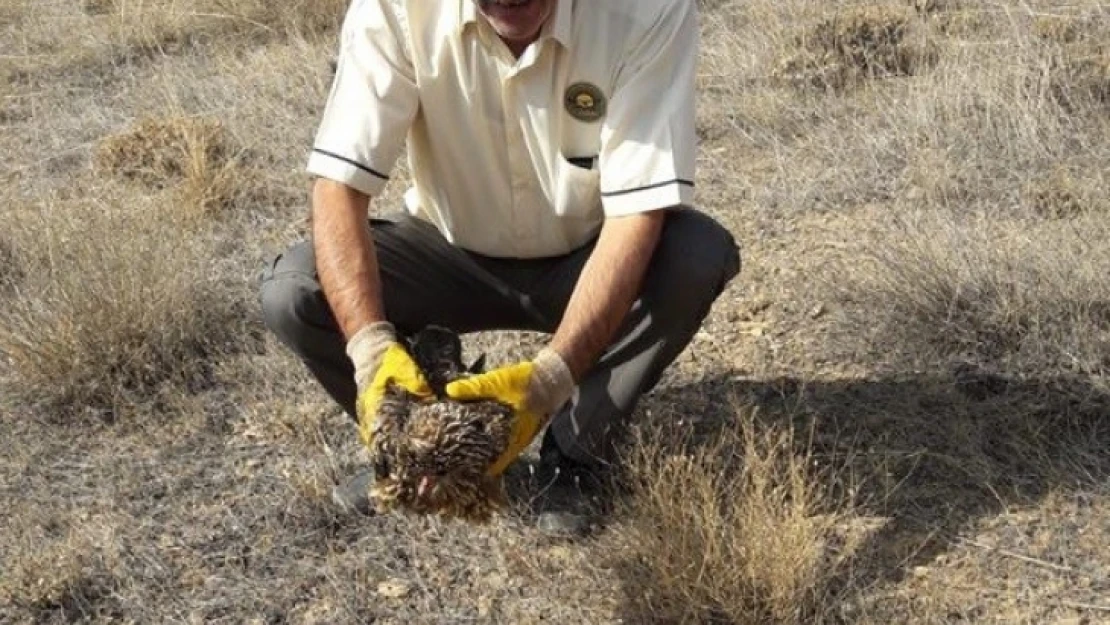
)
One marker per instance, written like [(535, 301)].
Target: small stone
[(562, 523), (394, 588), (560, 553), (753, 328), (485, 606)]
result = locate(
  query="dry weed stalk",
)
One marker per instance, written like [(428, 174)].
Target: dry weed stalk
[(738, 528)]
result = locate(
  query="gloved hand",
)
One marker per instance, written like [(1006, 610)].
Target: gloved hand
[(534, 389), (380, 359)]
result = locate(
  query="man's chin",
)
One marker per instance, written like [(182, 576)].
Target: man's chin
[(519, 22)]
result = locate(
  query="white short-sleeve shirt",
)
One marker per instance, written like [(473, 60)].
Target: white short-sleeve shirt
[(516, 157)]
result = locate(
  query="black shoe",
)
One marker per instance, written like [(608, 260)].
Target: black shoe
[(354, 494), (567, 494)]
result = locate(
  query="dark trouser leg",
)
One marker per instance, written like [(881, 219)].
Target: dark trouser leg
[(425, 281), (695, 259)]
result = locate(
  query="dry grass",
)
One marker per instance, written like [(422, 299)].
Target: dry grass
[(160, 152), (10, 271), (739, 528), (1025, 296), (193, 155), (855, 45), (69, 577), (921, 192), (160, 24), (114, 302)]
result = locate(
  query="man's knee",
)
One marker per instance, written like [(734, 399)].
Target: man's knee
[(288, 295), (701, 254)]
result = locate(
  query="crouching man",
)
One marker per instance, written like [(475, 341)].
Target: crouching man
[(551, 146)]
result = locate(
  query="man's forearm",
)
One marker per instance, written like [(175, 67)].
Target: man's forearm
[(608, 285), (345, 257)]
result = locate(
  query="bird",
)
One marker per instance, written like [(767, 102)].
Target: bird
[(431, 455)]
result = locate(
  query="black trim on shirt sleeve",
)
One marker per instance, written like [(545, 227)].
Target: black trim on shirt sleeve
[(350, 162), (688, 183)]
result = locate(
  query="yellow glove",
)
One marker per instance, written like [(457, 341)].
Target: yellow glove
[(534, 390), (379, 360)]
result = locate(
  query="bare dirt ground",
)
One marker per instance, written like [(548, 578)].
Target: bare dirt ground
[(899, 412)]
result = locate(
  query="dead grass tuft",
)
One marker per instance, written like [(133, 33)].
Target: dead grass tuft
[(69, 578), (739, 530), (1074, 26), (117, 301), (162, 152), (1064, 193), (193, 155), (857, 43), (963, 22)]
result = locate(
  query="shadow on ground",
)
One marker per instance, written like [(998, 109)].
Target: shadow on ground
[(933, 454)]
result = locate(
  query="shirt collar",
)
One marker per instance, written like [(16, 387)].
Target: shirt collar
[(558, 27)]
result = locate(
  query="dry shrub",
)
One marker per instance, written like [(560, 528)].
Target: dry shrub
[(741, 529), (1064, 192), (1068, 25), (71, 577), (1080, 76), (120, 297), (161, 152), (857, 43), (194, 155), (1026, 296), (1078, 56)]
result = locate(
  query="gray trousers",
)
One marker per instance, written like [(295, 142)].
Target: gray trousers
[(427, 281)]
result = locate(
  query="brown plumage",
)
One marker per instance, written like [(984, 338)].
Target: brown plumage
[(431, 457)]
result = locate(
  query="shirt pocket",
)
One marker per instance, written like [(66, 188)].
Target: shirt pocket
[(577, 191)]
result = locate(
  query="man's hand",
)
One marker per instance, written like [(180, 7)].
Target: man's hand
[(533, 389), (379, 360)]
